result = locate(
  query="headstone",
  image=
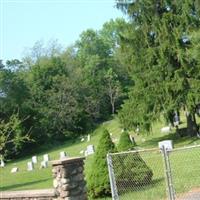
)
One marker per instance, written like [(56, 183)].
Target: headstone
[(46, 157), (165, 129), (14, 170), (88, 137), (132, 139), (63, 155), (82, 151), (2, 163), (143, 140), (167, 144), (90, 149), (34, 159), (29, 166), (82, 139), (44, 164), (85, 153), (176, 119)]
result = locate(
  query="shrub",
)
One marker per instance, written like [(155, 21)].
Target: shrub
[(125, 142), (98, 179)]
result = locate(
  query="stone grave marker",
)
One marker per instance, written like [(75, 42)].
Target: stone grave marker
[(43, 164), (168, 144), (88, 138), (2, 163), (90, 149), (30, 166), (63, 155), (82, 151), (34, 159), (82, 139), (46, 157), (14, 170), (165, 129)]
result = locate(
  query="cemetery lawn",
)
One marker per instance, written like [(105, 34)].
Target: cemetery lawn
[(42, 178)]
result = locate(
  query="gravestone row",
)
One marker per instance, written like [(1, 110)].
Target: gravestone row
[(44, 163)]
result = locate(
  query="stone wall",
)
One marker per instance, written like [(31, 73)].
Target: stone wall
[(47, 194), (68, 182)]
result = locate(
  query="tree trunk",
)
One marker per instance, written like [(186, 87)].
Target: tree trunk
[(191, 124), (113, 107)]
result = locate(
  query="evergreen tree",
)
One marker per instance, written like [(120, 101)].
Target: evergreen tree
[(125, 142), (157, 45), (98, 179)]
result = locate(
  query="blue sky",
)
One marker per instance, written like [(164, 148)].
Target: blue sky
[(23, 22)]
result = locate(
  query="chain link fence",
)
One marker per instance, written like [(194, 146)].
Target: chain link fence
[(155, 174)]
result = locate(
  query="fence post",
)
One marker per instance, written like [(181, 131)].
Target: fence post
[(167, 167), (112, 178)]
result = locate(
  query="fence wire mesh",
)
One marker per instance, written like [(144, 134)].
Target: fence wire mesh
[(138, 175), (156, 174), (185, 171)]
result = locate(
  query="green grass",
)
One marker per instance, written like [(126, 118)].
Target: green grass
[(42, 178)]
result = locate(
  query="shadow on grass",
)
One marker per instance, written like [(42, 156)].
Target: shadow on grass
[(15, 186), (154, 183), (178, 137)]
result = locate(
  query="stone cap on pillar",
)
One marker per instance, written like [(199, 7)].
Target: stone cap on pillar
[(67, 161)]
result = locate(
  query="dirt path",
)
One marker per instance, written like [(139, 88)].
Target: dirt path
[(193, 194)]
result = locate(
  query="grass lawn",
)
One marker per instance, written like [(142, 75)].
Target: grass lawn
[(42, 178)]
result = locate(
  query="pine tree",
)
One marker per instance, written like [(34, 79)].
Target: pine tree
[(125, 142), (98, 180), (158, 46)]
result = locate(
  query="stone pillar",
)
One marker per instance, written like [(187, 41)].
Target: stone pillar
[(69, 180)]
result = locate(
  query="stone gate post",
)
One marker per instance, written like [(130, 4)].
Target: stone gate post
[(69, 180)]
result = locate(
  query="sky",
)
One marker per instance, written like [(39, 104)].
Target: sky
[(24, 22)]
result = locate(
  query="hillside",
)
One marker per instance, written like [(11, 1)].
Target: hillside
[(42, 178)]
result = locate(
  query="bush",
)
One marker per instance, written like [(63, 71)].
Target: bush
[(98, 183), (125, 142), (131, 169)]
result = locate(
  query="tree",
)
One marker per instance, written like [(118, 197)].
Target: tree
[(125, 143), (98, 179), (157, 44), (113, 87), (12, 136)]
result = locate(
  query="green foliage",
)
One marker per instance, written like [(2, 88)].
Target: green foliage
[(125, 142), (64, 94), (98, 180), (12, 136), (157, 48)]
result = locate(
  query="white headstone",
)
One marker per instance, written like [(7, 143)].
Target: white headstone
[(63, 155), (2, 163), (44, 164), (14, 170), (46, 157), (90, 149), (88, 137), (85, 153), (165, 129), (82, 151), (167, 144), (34, 159), (82, 139), (29, 166)]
